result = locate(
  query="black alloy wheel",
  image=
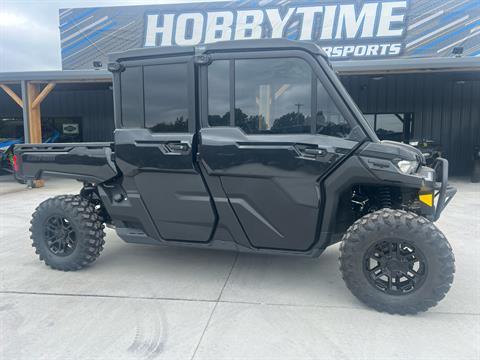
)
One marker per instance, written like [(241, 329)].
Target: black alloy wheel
[(395, 267), (67, 232), (396, 261), (60, 236)]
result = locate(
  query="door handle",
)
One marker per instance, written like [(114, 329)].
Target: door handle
[(311, 152), (314, 152), (178, 148)]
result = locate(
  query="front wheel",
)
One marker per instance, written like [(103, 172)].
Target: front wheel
[(67, 233), (396, 261)]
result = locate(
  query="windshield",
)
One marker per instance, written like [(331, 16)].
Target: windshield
[(361, 129)]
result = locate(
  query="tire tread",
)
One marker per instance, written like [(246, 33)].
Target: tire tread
[(396, 219), (90, 236)]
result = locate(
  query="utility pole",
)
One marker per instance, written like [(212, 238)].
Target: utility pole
[(299, 106)]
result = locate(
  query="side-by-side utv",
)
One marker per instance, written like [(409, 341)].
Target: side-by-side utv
[(250, 146)]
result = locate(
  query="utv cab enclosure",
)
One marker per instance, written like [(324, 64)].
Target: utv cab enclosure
[(251, 146)]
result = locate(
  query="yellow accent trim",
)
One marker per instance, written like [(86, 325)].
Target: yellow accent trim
[(427, 199)]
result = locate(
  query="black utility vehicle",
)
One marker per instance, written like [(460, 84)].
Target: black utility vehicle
[(252, 146)]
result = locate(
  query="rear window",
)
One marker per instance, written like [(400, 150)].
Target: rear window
[(131, 88), (155, 97), (166, 97)]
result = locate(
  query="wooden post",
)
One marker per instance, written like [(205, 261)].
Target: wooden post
[(35, 98), (35, 121)]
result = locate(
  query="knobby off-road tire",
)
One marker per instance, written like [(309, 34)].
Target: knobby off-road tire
[(67, 232), (383, 245)]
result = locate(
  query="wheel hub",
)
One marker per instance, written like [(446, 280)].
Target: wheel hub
[(60, 236), (395, 267)]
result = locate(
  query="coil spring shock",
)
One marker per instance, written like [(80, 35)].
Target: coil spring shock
[(385, 197)]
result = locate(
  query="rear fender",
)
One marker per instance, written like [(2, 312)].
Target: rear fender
[(86, 162)]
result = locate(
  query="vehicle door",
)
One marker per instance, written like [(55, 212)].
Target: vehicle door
[(154, 147), (272, 127)]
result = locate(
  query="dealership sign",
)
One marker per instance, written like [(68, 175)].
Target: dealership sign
[(374, 21), (344, 29)]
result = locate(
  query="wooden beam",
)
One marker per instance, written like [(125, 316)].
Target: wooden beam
[(12, 94), (43, 94), (34, 120)]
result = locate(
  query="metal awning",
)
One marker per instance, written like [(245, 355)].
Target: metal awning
[(399, 65), (57, 76)]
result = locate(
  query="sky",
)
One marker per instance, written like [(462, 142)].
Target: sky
[(29, 35)]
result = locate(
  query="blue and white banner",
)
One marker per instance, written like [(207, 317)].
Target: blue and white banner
[(345, 29)]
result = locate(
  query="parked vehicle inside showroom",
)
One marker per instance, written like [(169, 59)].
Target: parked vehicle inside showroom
[(431, 150), (250, 146), (7, 146), (399, 127), (6, 154)]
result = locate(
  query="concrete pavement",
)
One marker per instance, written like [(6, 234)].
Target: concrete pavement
[(140, 302)]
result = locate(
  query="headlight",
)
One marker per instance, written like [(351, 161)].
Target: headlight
[(427, 155), (407, 167)]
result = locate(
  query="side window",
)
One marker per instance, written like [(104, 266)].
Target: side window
[(219, 93), (131, 88), (273, 96), (329, 120), (166, 97)]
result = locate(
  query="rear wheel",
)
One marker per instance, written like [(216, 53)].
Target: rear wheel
[(396, 261), (67, 233)]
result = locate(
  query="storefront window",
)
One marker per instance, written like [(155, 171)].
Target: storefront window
[(394, 127)]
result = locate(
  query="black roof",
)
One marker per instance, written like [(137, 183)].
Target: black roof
[(233, 45)]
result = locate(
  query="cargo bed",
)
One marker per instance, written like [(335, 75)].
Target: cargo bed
[(89, 162)]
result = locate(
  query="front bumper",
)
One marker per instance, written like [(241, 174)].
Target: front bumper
[(444, 193)]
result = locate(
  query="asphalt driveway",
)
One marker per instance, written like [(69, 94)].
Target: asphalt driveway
[(141, 302)]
